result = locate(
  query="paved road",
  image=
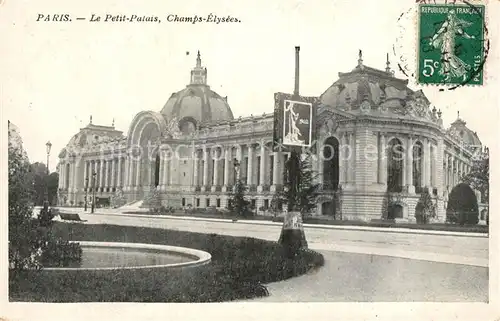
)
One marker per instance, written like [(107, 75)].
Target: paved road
[(440, 248), (361, 265)]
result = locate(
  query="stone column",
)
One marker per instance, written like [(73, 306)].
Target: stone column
[(351, 162), (68, 177), (218, 156), (263, 159), (381, 148), (71, 175), (65, 167), (59, 171), (433, 166), (101, 174), (119, 173), (205, 167), (106, 174), (342, 154), (161, 170), (453, 170), (215, 169), (97, 164), (277, 172), (149, 172), (445, 171), (131, 177), (227, 162), (239, 158), (250, 165), (90, 171), (171, 169), (427, 164), (138, 174), (63, 175), (450, 173), (77, 179), (409, 166), (113, 173), (166, 169), (125, 174), (196, 167), (85, 173), (321, 162)]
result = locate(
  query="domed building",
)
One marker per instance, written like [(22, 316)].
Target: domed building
[(381, 144)]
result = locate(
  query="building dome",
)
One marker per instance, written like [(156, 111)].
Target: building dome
[(91, 135), (197, 102), (377, 92), (462, 133)]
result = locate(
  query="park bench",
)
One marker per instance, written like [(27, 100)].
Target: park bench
[(71, 217)]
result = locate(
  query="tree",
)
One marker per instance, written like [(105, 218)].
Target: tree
[(425, 208), (479, 177), (31, 243), (52, 185), (300, 191), (299, 195), (276, 205), (23, 239), (462, 205), (153, 200), (119, 199), (43, 183), (238, 204)]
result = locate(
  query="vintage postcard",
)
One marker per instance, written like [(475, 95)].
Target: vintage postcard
[(233, 160)]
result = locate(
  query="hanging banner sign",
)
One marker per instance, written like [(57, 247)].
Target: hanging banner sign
[(294, 122)]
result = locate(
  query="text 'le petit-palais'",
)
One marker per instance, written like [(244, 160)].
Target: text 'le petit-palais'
[(136, 18)]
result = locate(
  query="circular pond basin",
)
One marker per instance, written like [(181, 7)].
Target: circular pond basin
[(107, 255)]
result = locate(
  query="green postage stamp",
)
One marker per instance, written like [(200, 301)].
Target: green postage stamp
[(451, 49)]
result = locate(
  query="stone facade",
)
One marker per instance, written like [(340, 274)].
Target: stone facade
[(189, 150)]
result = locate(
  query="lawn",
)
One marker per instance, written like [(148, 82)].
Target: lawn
[(239, 268)]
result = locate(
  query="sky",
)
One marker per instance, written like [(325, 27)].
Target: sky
[(56, 74)]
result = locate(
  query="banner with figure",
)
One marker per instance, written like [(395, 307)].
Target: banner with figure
[(294, 121)]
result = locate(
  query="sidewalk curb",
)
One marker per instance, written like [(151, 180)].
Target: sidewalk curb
[(318, 226)]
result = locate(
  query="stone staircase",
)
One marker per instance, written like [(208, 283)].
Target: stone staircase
[(132, 206)]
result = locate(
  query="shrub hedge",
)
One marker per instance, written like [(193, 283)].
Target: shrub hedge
[(239, 268)]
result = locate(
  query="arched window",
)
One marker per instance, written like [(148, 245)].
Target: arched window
[(328, 208), (418, 162), (331, 164), (66, 176), (395, 157), (157, 170), (394, 211)]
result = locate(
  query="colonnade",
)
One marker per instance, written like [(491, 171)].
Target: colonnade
[(454, 168), (419, 157), (218, 168), (104, 174)]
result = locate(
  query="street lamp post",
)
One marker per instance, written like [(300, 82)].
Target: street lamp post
[(86, 192), (48, 145), (94, 174)]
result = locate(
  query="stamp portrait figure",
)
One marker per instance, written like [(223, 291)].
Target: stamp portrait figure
[(445, 40)]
